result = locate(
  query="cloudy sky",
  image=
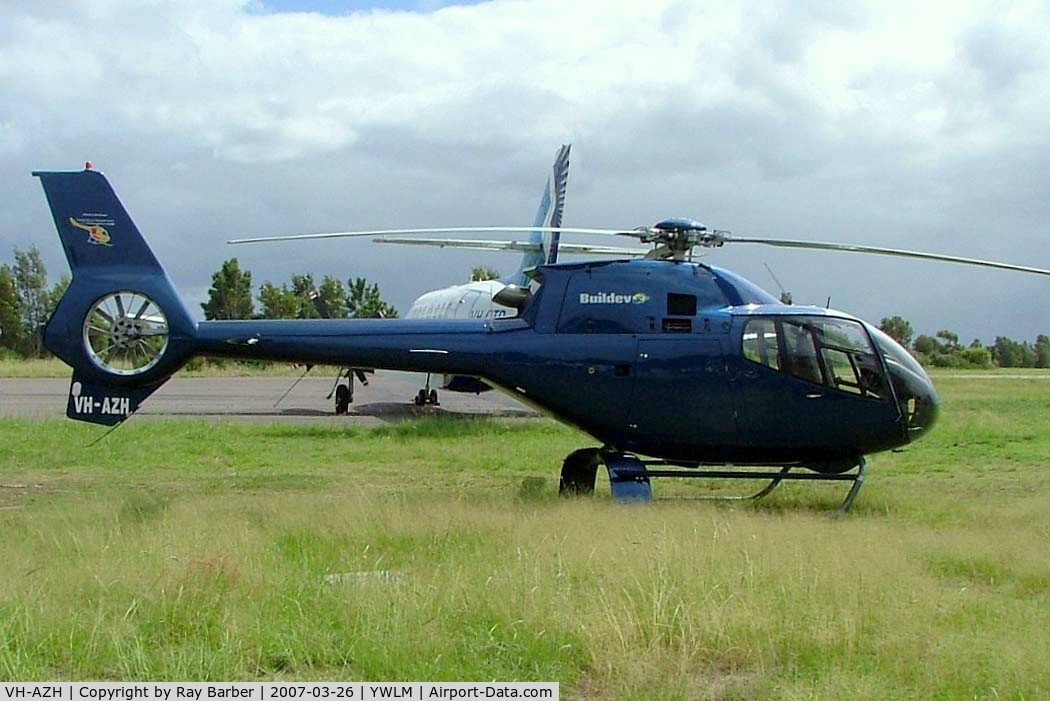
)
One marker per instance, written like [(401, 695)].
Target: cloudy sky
[(909, 125)]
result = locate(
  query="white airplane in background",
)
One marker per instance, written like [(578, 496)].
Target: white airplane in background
[(474, 300)]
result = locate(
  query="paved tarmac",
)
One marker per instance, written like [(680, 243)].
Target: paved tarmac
[(387, 397)]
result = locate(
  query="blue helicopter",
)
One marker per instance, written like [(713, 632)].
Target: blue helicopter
[(673, 366)]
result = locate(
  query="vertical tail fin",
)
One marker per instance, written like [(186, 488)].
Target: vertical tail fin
[(95, 229), (121, 325), (559, 183), (552, 206)]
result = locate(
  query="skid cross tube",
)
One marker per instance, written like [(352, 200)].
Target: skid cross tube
[(773, 484), (629, 478)]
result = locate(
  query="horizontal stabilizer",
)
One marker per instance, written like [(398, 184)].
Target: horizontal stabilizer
[(105, 404)]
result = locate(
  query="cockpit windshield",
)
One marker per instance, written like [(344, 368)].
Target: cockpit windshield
[(823, 350), (913, 387), (895, 355)]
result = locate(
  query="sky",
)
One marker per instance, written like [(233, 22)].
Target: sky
[(344, 7), (900, 124)]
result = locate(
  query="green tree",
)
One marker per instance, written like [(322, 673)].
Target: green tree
[(331, 298), (942, 350), (928, 346), (1042, 351), (278, 302), (977, 356), (1027, 355), (57, 291), (363, 300), (34, 301), (898, 329), (10, 313), (481, 273), (950, 340), (303, 288), (303, 300), (230, 296), (1008, 353)]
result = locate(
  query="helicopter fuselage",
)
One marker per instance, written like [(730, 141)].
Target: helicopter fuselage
[(680, 361)]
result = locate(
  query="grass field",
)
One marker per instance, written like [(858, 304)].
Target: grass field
[(437, 550), (53, 367)]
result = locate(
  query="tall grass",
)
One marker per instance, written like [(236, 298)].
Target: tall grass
[(185, 550)]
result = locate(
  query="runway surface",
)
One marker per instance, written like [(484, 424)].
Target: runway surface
[(387, 397)]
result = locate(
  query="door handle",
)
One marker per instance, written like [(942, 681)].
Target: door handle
[(815, 395)]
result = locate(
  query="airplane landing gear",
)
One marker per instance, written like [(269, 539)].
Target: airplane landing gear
[(344, 397), (344, 393), (426, 396)]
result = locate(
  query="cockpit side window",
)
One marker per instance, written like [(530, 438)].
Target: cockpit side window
[(760, 343), (801, 352), (832, 352)]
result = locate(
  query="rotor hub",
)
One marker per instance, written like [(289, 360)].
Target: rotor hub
[(124, 333), (679, 225), (676, 238)]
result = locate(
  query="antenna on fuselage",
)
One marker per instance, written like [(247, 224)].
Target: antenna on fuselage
[(785, 296)]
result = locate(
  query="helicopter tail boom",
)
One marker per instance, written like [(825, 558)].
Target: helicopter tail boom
[(120, 325), (123, 328)]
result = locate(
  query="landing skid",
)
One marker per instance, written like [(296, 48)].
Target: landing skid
[(629, 477)]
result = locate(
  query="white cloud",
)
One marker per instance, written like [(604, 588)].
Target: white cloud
[(916, 125)]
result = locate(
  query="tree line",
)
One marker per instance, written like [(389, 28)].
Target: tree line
[(26, 303), (27, 300), (944, 350), (230, 297)]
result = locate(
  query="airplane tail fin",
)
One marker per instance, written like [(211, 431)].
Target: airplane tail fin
[(549, 214), (121, 324)]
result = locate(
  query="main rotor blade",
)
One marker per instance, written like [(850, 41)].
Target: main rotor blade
[(823, 246), (523, 246), (477, 244), (584, 249), (718, 240), (438, 230)]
